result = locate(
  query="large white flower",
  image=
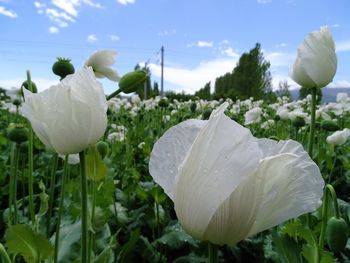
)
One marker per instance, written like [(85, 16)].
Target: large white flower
[(316, 62), (226, 184), (69, 116), (339, 137), (101, 62)]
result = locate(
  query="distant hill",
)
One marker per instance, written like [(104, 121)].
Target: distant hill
[(329, 94)]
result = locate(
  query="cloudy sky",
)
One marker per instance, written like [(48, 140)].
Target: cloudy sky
[(202, 39)]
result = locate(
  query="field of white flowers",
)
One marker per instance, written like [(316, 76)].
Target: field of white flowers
[(90, 178)]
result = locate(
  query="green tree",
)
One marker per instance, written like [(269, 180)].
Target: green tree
[(204, 93), (283, 89)]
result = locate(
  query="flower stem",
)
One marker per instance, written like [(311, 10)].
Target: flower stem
[(52, 192), (84, 209), (91, 234), (14, 190), (312, 124), (60, 208), (328, 190), (115, 93), (30, 159), (212, 253), (3, 255)]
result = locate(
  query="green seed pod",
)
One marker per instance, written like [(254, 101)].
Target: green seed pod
[(62, 67), (16, 102), (329, 125), (193, 107), (298, 122), (25, 85), (206, 114), (131, 81), (336, 234), (277, 118), (163, 103), (17, 133), (103, 148)]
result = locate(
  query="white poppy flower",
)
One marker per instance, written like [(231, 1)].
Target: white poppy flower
[(253, 116), (339, 137), (101, 62), (316, 62), (70, 116), (226, 184)]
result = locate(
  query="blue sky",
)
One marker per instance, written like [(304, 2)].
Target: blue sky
[(202, 39)]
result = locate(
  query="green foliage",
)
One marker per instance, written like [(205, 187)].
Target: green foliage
[(204, 93), (32, 246), (96, 169), (303, 92), (250, 78)]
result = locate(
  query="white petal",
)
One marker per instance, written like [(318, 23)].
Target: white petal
[(101, 58), (235, 217), (108, 73), (293, 186), (223, 154), (169, 152)]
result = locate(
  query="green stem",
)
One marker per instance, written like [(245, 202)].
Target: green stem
[(60, 208), (328, 190), (312, 124), (14, 193), (4, 255), (52, 192), (11, 183), (84, 209), (30, 159), (212, 253), (91, 234), (115, 93)]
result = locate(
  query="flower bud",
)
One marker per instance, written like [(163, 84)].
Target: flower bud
[(25, 85), (329, 125), (163, 103), (298, 122), (102, 148), (62, 67), (193, 107), (336, 234), (17, 133), (131, 81), (206, 114)]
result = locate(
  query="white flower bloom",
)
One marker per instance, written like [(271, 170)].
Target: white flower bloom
[(116, 136), (70, 116), (226, 184), (283, 113), (101, 62), (135, 99), (339, 137), (269, 124), (141, 145), (316, 62), (252, 116), (342, 97)]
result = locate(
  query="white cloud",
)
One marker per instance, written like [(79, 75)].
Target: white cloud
[(281, 45), (339, 84), (92, 38), (70, 6), (167, 32), (53, 30), (8, 13), (190, 80), (125, 2), (39, 5), (342, 46), (264, 1), (41, 83), (59, 18), (279, 59), (201, 44), (230, 52), (114, 37)]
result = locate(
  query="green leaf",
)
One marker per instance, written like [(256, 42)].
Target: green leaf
[(44, 198), (33, 246), (96, 169), (286, 248), (127, 250)]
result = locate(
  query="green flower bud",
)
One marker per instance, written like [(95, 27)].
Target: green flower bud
[(62, 67), (193, 107), (131, 81), (25, 85), (329, 125), (277, 118), (336, 234), (23, 147), (163, 103), (298, 122), (17, 102), (102, 148), (17, 133)]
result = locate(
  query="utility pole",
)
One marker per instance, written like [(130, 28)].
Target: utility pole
[(145, 83), (162, 71)]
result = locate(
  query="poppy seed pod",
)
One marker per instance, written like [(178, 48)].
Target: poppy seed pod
[(17, 133), (336, 234), (62, 67), (329, 125)]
